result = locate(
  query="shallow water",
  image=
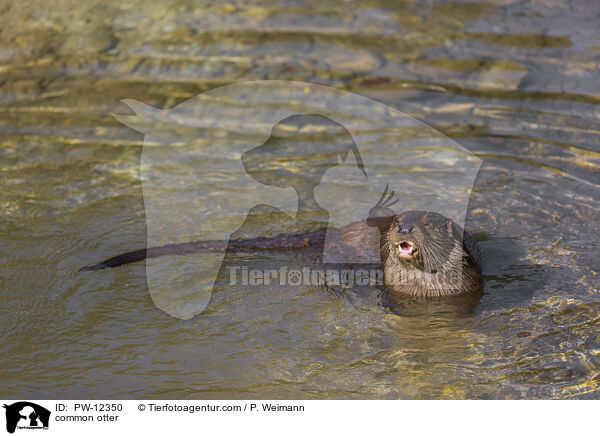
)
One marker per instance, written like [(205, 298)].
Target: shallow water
[(516, 83)]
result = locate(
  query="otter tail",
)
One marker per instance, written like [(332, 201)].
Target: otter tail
[(279, 242), (166, 250)]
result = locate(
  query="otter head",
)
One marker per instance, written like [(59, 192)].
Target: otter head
[(424, 240)]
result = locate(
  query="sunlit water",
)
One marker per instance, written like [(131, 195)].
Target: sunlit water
[(516, 83)]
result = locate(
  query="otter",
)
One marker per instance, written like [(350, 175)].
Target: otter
[(422, 253)]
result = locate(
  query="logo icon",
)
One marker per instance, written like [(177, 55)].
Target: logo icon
[(26, 415)]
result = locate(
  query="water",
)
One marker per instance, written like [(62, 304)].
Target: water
[(516, 83)]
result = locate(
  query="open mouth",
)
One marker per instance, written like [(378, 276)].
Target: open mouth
[(406, 250)]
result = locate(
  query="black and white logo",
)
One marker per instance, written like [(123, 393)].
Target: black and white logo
[(26, 415)]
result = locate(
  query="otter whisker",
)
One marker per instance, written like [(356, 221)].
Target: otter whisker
[(431, 259), (427, 258), (385, 246), (433, 263)]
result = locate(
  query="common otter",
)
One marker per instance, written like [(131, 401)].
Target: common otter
[(422, 253), (426, 254)]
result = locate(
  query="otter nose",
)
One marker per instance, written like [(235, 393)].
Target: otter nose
[(405, 231)]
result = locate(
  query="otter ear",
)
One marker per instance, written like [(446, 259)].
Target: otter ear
[(144, 116)]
